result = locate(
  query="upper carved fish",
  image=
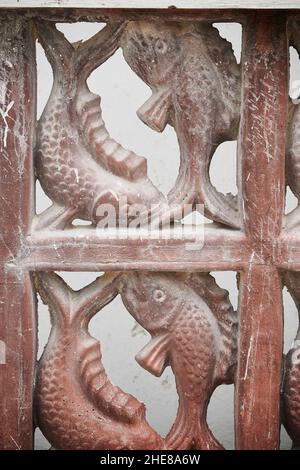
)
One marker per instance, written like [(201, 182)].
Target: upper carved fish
[(196, 88), (293, 138), (79, 165)]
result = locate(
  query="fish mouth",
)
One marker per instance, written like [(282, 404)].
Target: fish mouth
[(155, 111)]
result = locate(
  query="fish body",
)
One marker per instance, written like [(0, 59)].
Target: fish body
[(293, 164), (293, 152), (291, 393), (79, 165), (196, 87), (292, 161), (76, 406), (291, 376), (197, 338)]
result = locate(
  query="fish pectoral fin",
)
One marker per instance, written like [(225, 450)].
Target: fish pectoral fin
[(155, 111), (154, 356)]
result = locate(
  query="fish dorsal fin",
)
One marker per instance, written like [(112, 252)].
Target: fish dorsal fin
[(154, 356), (219, 303), (103, 149), (55, 293), (214, 296), (217, 299), (109, 399)]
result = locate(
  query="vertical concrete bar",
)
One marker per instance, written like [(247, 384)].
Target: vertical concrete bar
[(17, 300), (262, 153)]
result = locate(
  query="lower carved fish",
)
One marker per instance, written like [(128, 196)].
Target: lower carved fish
[(193, 328)]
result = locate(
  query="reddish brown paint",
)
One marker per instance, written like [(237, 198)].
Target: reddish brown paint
[(257, 251), (257, 395)]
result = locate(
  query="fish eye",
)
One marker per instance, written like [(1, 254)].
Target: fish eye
[(160, 46), (159, 295)]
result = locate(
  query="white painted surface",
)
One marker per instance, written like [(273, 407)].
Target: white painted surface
[(122, 94), (151, 3)]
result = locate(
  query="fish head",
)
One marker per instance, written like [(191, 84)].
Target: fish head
[(151, 298), (153, 51)]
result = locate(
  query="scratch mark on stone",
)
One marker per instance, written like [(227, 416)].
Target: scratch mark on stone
[(6, 246), (16, 444), (5, 114), (2, 352), (248, 358)]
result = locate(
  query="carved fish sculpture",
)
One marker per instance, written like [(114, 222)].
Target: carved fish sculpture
[(193, 329), (291, 382), (79, 165), (196, 87), (76, 405), (293, 140)]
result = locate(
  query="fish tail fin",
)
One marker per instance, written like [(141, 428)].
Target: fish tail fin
[(196, 188), (55, 293), (73, 307), (59, 51), (72, 64), (291, 280), (205, 440), (295, 34), (80, 58), (95, 51), (190, 429), (220, 207)]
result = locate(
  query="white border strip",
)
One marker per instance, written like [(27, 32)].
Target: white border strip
[(259, 4)]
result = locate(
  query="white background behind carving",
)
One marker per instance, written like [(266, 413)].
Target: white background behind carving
[(122, 93)]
